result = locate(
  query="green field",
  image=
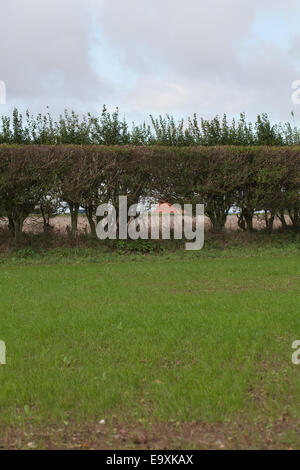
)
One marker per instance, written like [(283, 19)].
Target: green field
[(192, 352)]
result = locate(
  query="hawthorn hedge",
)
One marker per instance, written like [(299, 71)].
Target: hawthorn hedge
[(252, 178)]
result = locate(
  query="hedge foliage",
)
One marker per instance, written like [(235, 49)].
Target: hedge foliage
[(109, 129), (251, 178)]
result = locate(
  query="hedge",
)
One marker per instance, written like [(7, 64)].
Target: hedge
[(252, 178)]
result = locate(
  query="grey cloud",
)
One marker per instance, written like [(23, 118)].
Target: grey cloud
[(200, 50), (44, 50), (181, 56)]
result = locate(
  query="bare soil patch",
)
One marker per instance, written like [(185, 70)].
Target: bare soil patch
[(237, 434)]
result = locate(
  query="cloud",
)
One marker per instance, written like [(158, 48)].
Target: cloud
[(44, 50), (188, 38), (159, 56), (152, 94), (208, 50)]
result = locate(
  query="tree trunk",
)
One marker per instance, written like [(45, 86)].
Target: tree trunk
[(295, 217), (11, 225), (218, 218), (18, 227), (46, 219), (281, 217), (218, 224), (241, 221), (245, 220), (269, 221), (74, 208), (89, 213)]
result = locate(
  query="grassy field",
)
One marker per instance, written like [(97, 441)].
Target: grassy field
[(170, 351)]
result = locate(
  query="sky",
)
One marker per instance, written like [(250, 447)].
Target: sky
[(151, 56)]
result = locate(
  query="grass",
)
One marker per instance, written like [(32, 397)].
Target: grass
[(55, 248), (176, 338)]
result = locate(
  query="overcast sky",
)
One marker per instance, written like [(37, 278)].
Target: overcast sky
[(151, 56)]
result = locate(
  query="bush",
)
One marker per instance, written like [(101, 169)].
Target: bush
[(264, 179)]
